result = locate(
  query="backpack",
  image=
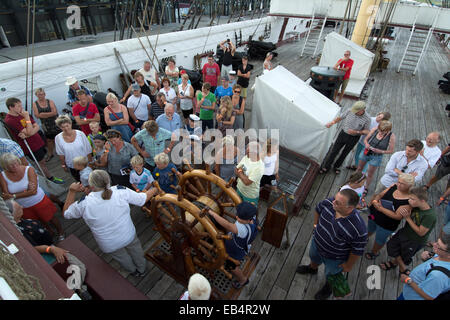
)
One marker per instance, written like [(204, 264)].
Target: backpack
[(444, 295)]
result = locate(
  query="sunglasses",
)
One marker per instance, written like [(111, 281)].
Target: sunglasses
[(438, 247), (237, 91), (404, 168)]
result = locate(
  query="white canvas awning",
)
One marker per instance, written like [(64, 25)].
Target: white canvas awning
[(283, 101)]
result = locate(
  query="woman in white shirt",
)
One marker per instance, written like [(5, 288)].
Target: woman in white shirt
[(70, 144), (271, 163), (170, 94), (20, 183), (111, 226), (185, 94)]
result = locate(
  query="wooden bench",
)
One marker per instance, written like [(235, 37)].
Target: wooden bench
[(103, 281)]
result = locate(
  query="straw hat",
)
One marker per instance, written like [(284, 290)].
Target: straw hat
[(70, 81)]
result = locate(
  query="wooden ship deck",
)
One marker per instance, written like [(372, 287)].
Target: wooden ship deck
[(417, 108)]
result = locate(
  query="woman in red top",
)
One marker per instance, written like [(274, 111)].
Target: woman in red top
[(85, 112)]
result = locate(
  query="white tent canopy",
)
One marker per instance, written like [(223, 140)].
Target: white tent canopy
[(283, 101), (333, 50)]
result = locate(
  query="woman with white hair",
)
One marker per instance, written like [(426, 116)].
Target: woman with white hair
[(226, 159), (268, 62), (20, 183), (198, 288), (116, 117), (163, 173), (249, 172), (111, 226)]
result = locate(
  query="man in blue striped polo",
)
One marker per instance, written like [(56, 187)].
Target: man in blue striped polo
[(339, 238)]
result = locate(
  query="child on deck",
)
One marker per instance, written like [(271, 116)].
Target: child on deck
[(419, 222), (356, 183), (140, 178), (95, 128), (271, 161), (81, 164), (243, 232), (100, 153)]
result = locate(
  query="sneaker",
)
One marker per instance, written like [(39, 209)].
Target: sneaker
[(56, 180), (324, 293), (305, 269), (59, 238), (138, 274)]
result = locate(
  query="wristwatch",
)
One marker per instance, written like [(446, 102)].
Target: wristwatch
[(14, 196)]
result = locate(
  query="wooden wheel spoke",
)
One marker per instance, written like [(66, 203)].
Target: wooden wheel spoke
[(227, 204), (193, 188), (193, 224), (167, 213), (199, 185), (219, 194), (206, 253), (206, 244), (208, 186), (191, 196)]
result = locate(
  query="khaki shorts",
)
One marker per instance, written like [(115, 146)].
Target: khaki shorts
[(243, 92), (344, 85)]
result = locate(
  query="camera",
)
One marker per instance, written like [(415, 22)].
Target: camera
[(228, 40)]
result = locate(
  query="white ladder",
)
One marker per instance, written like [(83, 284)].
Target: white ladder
[(315, 40), (417, 46), (307, 34)]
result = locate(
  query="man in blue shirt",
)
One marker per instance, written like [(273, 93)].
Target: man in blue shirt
[(223, 90), (170, 120), (423, 284), (339, 238)]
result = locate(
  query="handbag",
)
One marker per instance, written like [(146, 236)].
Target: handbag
[(115, 115), (339, 285)]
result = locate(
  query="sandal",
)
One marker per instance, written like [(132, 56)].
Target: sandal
[(323, 170), (337, 170), (388, 265), (351, 168), (371, 256), (238, 285), (407, 272)]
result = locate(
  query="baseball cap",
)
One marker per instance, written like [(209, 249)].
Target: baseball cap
[(358, 106), (135, 86), (232, 72), (246, 211), (194, 117)]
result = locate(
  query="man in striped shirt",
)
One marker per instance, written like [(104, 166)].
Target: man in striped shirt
[(339, 238), (356, 123)]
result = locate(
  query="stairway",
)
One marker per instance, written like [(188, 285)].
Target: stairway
[(313, 37), (417, 44)]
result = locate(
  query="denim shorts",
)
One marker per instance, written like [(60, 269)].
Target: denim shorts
[(331, 266), (373, 159), (381, 234)]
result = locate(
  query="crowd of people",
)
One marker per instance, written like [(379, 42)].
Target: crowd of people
[(116, 168)]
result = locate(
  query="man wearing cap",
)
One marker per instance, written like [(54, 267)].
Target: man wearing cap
[(223, 90), (343, 64), (138, 105), (356, 123), (74, 86), (169, 120), (243, 232), (194, 127)]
